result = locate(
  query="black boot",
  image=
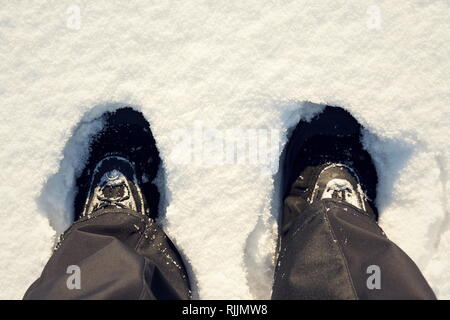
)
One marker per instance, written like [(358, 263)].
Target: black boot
[(116, 246), (122, 165), (326, 159), (331, 246)]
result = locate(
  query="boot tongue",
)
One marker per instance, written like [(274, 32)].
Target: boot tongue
[(341, 189), (114, 187), (114, 192)]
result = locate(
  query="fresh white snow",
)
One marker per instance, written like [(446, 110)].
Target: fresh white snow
[(203, 69)]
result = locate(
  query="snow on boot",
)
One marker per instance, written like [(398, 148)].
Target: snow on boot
[(114, 185), (340, 183)]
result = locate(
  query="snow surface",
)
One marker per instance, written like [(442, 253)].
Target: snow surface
[(244, 65)]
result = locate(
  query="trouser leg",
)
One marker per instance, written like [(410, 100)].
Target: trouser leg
[(334, 251), (115, 254)]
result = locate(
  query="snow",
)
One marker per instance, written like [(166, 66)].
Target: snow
[(243, 65)]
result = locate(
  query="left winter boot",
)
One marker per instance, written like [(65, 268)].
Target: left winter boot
[(121, 168)]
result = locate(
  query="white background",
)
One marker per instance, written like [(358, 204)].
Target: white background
[(227, 64)]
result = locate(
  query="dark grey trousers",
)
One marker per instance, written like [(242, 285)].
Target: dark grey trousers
[(332, 251), (118, 254)]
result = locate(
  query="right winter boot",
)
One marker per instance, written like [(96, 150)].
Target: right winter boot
[(325, 159)]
